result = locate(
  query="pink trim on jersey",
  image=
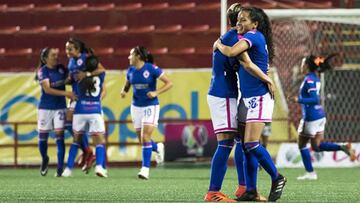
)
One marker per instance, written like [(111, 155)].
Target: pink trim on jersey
[(225, 130), (228, 112), (239, 36), (261, 106), (248, 41)]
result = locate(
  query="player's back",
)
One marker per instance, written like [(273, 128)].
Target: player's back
[(224, 79), (90, 102), (250, 85), (143, 81), (310, 95)]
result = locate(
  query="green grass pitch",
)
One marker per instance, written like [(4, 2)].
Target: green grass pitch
[(169, 184)]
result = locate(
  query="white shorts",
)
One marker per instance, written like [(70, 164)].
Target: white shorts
[(242, 111), (311, 128), (93, 122), (146, 115), (223, 114), (51, 120), (260, 108)]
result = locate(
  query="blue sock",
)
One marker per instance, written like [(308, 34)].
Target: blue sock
[(146, 154), (219, 164), (100, 154), (250, 171), (263, 157), (84, 142), (60, 151), (306, 158), (72, 154), (105, 159), (240, 162), (43, 144), (328, 146), (154, 146)]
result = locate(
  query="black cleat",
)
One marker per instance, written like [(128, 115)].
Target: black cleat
[(277, 188), (248, 196), (44, 166), (59, 172)]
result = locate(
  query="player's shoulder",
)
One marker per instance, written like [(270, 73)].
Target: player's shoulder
[(151, 66)]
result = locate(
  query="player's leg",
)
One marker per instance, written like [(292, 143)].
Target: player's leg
[(45, 118), (306, 158), (59, 122), (146, 132), (223, 115)]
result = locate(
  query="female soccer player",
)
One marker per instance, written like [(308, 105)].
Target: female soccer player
[(142, 75), (88, 114), (51, 113), (255, 27), (77, 52), (312, 125)]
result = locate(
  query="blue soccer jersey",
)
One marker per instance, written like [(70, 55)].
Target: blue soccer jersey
[(90, 103), (250, 85), (75, 65), (309, 98), (224, 79), (143, 80), (56, 77)]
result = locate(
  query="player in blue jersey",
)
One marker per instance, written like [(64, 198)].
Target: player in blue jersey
[(77, 52), (51, 109), (142, 75), (88, 115), (312, 125), (255, 28), (222, 101)]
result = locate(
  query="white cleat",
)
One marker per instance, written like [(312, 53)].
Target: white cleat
[(100, 171), (160, 154), (144, 173), (308, 176), (67, 172)]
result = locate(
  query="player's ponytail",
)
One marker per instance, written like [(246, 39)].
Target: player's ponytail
[(319, 63), (144, 54), (44, 53), (87, 85), (232, 13)]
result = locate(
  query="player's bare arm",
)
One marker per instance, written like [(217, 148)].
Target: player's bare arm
[(167, 85)]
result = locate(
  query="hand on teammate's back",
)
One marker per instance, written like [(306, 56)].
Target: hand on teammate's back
[(123, 94)]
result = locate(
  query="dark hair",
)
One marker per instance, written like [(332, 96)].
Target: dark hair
[(264, 26), (81, 46), (144, 54), (44, 53), (318, 63), (87, 85), (232, 13)]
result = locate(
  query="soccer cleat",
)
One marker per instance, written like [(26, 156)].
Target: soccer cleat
[(349, 151), (250, 195), (308, 176), (277, 188), (81, 160), (144, 173), (89, 163), (217, 197), (160, 154), (59, 172), (100, 171), (44, 166), (240, 190), (67, 172)]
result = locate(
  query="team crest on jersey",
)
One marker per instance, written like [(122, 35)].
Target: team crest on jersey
[(253, 103), (146, 74), (79, 62)]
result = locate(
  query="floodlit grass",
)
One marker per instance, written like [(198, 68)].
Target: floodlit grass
[(170, 184)]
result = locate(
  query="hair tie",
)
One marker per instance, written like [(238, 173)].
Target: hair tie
[(318, 60)]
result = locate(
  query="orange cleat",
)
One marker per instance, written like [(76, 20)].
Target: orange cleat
[(260, 198), (217, 197), (350, 151), (241, 189)]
